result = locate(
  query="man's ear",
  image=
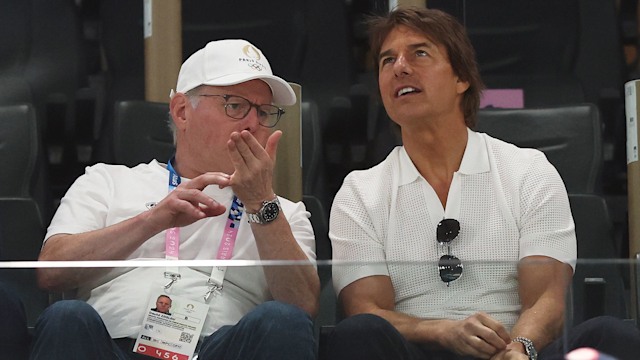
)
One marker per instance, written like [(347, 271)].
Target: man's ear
[(178, 109), (462, 86)]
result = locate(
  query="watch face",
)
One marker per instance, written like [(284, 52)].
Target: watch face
[(270, 212)]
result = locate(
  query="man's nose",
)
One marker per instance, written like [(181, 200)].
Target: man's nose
[(401, 66), (253, 118)]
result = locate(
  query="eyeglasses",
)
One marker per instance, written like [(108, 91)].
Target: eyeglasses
[(237, 107), (449, 266)]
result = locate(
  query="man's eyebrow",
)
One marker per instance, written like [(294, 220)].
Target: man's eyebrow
[(385, 54), (421, 44), (411, 46)]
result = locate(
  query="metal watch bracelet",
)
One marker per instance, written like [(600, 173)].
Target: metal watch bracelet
[(529, 349)]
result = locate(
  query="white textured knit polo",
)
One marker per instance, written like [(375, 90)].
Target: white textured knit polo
[(511, 203)]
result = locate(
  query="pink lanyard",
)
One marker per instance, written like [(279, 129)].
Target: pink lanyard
[(172, 235), (225, 250)]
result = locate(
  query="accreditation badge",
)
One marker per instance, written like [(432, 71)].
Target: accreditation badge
[(171, 327)]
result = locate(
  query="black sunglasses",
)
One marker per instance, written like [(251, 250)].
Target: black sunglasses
[(449, 266)]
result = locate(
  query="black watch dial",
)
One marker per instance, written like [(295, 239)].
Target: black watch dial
[(270, 212)]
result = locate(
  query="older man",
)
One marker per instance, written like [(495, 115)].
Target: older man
[(213, 200)]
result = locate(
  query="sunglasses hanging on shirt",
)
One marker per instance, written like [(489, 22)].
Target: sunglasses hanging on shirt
[(449, 266)]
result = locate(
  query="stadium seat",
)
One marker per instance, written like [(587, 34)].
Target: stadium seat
[(570, 137)]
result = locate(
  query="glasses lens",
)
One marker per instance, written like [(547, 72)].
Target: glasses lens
[(269, 115), (447, 230), (237, 107), (450, 268)]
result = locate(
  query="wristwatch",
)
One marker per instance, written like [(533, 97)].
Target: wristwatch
[(528, 347), (268, 212)]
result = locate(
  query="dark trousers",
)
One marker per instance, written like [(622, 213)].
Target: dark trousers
[(14, 338), (72, 329), (370, 337)]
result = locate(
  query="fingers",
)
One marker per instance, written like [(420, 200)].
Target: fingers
[(509, 354), (479, 336), (200, 202), (478, 347), (245, 148), (193, 202), (272, 144), (206, 179), (253, 164), (496, 334), (188, 203), (235, 155), (191, 191)]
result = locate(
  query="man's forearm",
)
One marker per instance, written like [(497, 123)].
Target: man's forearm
[(542, 323), (115, 242), (294, 284)]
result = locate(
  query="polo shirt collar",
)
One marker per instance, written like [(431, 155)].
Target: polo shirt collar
[(474, 161)]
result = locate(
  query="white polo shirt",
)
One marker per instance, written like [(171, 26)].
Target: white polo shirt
[(510, 202), (108, 194)]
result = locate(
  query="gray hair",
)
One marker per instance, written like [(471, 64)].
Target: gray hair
[(194, 100)]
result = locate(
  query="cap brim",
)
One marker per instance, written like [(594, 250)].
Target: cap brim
[(282, 92)]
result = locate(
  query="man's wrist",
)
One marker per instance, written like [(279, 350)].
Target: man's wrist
[(516, 346), (254, 206), (269, 211), (528, 346)]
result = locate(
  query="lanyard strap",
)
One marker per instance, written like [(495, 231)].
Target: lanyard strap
[(225, 250), (228, 241), (172, 235)]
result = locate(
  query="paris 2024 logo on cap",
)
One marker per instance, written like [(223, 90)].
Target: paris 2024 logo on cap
[(252, 57)]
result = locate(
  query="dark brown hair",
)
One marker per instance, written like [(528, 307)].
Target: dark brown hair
[(444, 30)]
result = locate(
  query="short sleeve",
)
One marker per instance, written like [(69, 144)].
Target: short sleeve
[(358, 247)]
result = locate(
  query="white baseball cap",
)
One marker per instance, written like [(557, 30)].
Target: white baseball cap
[(231, 62)]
